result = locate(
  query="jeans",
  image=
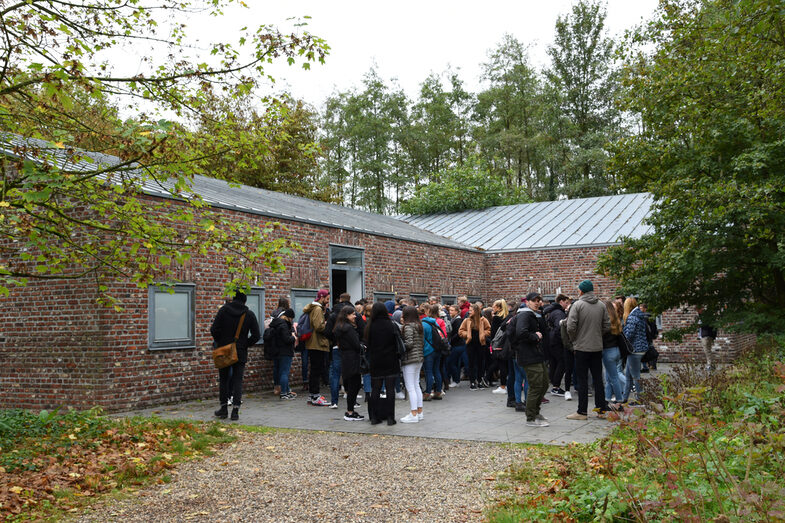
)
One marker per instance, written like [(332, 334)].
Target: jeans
[(230, 384), (537, 376), (367, 383), (453, 362), (633, 375), (281, 367), (614, 380), (433, 373), (586, 362), (411, 378), (304, 363), (335, 376), (521, 381)]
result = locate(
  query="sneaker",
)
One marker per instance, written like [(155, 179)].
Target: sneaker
[(353, 417), (454, 385), (537, 423), (400, 395), (545, 400), (510, 403), (499, 390), (578, 416), (644, 371), (420, 416), (520, 407), (318, 401), (357, 405), (541, 417), (482, 384), (333, 405), (410, 419), (473, 386), (567, 396), (437, 395), (288, 396), (426, 396), (382, 395), (556, 391), (235, 414)]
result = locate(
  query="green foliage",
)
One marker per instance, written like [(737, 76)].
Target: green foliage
[(64, 221), (469, 186), (706, 80), (708, 447)]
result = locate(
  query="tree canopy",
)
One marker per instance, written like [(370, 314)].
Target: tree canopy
[(706, 78), (60, 82)]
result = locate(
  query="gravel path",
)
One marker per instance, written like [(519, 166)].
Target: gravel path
[(305, 476)]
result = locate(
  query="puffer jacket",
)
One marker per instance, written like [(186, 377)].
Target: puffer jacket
[(413, 338), (635, 330)]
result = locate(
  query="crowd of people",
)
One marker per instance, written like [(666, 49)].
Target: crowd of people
[(401, 349)]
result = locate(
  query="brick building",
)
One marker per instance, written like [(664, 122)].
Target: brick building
[(59, 348)]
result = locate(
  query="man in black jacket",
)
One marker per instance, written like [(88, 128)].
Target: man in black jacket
[(554, 313), (530, 357), (223, 331)]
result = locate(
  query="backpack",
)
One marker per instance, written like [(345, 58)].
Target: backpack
[(501, 344), (565, 338), (439, 339), (304, 329)]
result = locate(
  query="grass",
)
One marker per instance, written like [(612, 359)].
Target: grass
[(706, 448), (53, 463)]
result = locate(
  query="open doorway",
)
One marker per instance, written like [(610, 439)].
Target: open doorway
[(346, 272)]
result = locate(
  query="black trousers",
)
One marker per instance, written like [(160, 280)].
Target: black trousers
[(586, 362), (352, 386), (476, 362), (382, 408), (556, 366), (230, 384), (317, 359)]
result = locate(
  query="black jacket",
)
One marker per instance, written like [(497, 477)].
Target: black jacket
[(527, 345), (382, 348), (554, 313), (613, 340), (349, 344), (455, 338), (225, 325), (282, 340), (358, 321)]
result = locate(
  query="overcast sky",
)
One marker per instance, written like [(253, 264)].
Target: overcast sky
[(407, 40)]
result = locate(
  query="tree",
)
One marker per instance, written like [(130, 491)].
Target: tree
[(707, 81), (463, 187), (52, 60), (581, 60)]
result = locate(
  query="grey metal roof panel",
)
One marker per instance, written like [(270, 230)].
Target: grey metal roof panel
[(545, 225)]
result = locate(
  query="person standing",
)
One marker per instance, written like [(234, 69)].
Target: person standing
[(282, 349), (348, 341), (432, 326), (707, 334), (612, 342), (411, 363), (318, 346), (635, 331), (587, 322), (457, 348), (223, 330), (555, 312), (530, 359), (344, 301), (475, 329), (380, 336)]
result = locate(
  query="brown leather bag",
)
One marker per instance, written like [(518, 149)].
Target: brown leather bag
[(227, 354)]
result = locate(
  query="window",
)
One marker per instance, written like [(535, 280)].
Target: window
[(383, 296), (346, 272), (301, 298), (449, 300), (419, 298), (171, 316), (474, 299), (256, 304)]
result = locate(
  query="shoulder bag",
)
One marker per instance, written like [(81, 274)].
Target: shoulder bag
[(227, 354)]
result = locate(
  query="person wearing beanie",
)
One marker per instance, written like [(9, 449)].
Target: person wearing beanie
[(223, 329), (587, 322), (390, 305)]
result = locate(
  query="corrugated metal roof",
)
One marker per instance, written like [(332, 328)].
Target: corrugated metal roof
[(581, 222), (222, 194)]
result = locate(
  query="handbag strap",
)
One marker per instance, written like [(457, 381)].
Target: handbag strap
[(239, 326)]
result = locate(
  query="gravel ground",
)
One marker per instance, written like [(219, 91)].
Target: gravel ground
[(305, 476)]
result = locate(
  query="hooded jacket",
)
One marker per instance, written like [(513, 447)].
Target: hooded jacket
[(225, 325), (635, 330), (528, 346), (382, 347), (282, 340), (554, 313), (319, 340), (587, 322)]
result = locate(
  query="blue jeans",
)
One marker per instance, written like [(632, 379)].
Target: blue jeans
[(367, 383), (281, 367), (633, 375), (433, 373), (453, 362), (520, 381), (614, 380), (335, 376)]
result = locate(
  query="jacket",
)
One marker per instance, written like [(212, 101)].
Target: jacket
[(587, 322), (428, 324), (484, 330), (554, 314), (455, 336), (382, 347), (225, 325), (349, 344), (413, 338), (612, 340), (635, 330), (527, 345), (282, 341), (319, 340), (358, 321)]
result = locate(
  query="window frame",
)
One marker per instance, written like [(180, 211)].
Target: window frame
[(259, 291), (301, 293), (153, 344), (453, 299), (419, 297), (383, 296)]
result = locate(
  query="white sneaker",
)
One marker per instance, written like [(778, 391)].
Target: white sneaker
[(541, 417), (400, 395), (333, 405), (454, 385), (420, 416), (410, 419), (382, 395), (500, 390), (537, 423), (567, 396)]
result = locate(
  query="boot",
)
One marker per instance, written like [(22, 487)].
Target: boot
[(235, 414), (277, 390), (222, 412)]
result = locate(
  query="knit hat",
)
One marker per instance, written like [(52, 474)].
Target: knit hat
[(586, 286), (322, 293), (396, 317), (390, 306)]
